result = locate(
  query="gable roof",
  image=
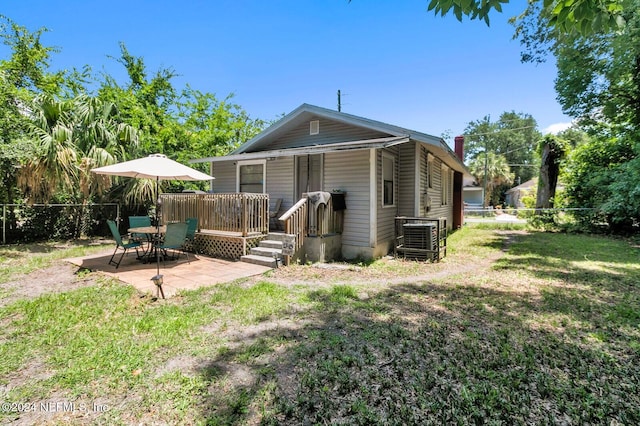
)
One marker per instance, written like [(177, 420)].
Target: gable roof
[(530, 184), (305, 112), (258, 146)]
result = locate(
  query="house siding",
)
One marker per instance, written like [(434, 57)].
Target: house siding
[(279, 184), (435, 193), (349, 172), (330, 132), (225, 177), (406, 178)]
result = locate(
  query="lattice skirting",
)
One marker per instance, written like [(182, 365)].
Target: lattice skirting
[(225, 247)]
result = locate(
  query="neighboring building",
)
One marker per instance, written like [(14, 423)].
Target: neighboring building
[(385, 171), (514, 195), (472, 194)]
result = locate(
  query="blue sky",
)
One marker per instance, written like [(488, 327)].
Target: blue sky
[(393, 61)]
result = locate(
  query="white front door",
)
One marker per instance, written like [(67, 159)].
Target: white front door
[(309, 173)]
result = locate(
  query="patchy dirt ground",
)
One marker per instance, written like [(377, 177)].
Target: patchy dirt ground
[(64, 276), (388, 270), (60, 277)]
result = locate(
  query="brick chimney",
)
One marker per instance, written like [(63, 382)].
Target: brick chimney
[(458, 197), (459, 147)]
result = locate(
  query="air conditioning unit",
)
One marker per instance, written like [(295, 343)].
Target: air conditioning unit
[(421, 240)]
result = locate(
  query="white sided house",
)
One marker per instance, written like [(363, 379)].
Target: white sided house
[(380, 171)]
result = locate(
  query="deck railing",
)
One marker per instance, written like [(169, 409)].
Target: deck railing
[(245, 213), (323, 220), (304, 219)]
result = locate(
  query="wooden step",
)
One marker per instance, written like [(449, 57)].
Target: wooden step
[(271, 244), (275, 236), (268, 261), (266, 251)]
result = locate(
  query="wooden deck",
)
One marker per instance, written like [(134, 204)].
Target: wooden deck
[(226, 244), (230, 234), (229, 224), (232, 212)]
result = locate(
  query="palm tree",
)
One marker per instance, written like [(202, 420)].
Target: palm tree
[(102, 139), (53, 166), (495, 168), (73, 136)]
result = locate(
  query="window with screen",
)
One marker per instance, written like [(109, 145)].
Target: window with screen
[(429, 171), (388, 180), (251, 178), (446, 185)]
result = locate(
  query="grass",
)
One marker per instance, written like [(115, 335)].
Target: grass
[(25, 258), (545, 332), (106, 339)]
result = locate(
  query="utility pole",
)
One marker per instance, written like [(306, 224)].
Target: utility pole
[(486, 157), (339, 102)]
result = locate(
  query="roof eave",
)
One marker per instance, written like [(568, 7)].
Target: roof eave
[(316, 149)]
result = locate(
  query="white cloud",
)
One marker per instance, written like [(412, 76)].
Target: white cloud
[(557, 128)]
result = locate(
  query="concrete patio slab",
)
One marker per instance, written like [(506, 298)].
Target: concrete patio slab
[(178, 274)]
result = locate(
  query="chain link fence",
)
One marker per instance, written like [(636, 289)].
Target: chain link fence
[(36, 222), (525, 215)]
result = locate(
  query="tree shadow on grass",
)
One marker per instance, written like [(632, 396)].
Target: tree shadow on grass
[(426, 353), (598, 264)]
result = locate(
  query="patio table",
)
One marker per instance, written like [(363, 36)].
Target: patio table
[(153, 235)]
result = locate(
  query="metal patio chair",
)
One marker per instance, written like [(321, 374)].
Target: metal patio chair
[(174, 239), (192, 227), (120, 244), (139, 222)]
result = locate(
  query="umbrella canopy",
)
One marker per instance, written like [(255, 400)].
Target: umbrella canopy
[(155, 166), (158, 167)]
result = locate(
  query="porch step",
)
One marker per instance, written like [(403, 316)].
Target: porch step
[(267, 251), (275, 236), (269, 261), (271, 244)]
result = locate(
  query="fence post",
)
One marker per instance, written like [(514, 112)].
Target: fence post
[(4, 224)]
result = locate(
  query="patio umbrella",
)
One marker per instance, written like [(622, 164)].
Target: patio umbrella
[(155, 166)]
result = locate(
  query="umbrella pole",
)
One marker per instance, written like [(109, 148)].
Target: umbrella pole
[(158, 278), (157, 224)]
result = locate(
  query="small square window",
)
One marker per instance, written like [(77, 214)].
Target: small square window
[(314, 127)]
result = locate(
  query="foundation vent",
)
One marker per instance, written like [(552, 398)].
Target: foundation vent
[(314, 127)]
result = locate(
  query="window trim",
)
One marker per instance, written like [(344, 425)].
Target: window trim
[(251, 163), (445, 182), (430, 162), (383, 183)]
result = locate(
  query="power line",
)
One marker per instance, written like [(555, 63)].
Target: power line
[(498, 131)]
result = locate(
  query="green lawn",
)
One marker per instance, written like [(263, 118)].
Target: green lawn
[(512, 328)]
